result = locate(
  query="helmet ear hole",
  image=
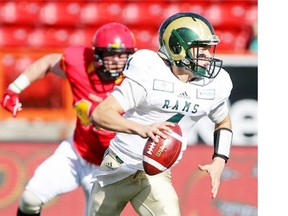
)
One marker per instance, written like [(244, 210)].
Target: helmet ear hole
[(176, 49), (98, 59)]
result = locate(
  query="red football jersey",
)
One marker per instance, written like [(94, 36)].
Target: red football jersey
[(80, 71)]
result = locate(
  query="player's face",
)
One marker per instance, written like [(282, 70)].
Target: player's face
[(203, 54), (114, 61)]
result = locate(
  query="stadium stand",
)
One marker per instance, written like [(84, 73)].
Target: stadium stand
[(31, 29), (44, 24)]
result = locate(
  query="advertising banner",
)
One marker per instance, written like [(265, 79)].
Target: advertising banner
[(237, 195)]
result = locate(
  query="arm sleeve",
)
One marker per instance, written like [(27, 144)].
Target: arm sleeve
[(219, 113), (129, 94), (224, 87)]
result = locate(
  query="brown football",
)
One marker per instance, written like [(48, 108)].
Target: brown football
[(160, 156)]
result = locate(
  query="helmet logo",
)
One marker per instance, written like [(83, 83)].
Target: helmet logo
[(115, 46)]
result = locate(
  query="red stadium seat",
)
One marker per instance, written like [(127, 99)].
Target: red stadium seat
[(147, 38), (48, 24), (251, 15), (19, 13), (13, 36), (227, 15), (56, 37), (60, 13), (232, 40)]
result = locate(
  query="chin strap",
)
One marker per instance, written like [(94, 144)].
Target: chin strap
[(222, 143)]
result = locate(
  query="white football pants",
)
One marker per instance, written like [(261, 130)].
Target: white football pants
[(62, 172)]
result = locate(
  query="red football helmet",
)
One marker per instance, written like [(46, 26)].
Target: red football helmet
[(110, 39)]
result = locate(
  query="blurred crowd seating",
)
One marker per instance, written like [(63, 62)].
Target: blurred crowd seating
[(42, 24), (31, 29)]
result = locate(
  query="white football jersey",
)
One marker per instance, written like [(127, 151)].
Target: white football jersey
[(152, 93)]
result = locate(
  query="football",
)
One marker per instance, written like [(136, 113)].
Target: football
[(160, 156)]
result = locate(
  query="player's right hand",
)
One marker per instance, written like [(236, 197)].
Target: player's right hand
[(10, 101)]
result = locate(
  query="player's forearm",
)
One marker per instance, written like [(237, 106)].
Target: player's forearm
[(107, 115), (113, 121), (223, 139), (36, 71)]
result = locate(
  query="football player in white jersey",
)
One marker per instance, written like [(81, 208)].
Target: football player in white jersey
[(181, 83)]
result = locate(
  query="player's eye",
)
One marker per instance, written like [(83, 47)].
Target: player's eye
[(201, 55)]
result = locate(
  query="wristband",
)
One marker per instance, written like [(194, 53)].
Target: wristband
[(19, 84), (222, 143)]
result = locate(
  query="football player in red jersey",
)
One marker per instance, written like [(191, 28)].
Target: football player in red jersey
[(92, 74)]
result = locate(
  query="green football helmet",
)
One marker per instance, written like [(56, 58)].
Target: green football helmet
[(182, 31)]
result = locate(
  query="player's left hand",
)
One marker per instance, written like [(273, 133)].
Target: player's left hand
[(215, 170), (10, 101)]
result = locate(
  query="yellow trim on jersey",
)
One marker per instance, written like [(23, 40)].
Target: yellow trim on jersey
[(91, 68)]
